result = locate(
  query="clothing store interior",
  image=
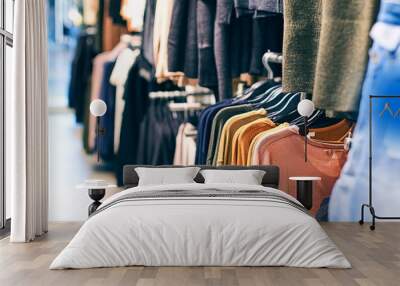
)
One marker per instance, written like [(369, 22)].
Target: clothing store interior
[(210, 83)]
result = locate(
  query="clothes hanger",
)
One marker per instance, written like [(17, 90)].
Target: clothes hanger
[(387, 108)]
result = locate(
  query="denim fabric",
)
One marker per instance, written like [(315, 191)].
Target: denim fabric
[(205, 43), (182, 39), (382, 78), (147, 37)]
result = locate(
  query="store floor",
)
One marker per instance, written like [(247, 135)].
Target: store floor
[(69, 165)]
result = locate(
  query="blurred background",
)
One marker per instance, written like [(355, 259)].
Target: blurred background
[(70, 165)]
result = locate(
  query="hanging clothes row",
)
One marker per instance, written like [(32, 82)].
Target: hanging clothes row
[(140, 128), (262, 127), (149, 127), (210, 43), (101, 33), (206, 42), (108, 67), (138, 108), (164, 132)]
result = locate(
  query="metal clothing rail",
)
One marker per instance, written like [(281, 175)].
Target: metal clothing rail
[(195, 106), (176, 93), (370, 202)]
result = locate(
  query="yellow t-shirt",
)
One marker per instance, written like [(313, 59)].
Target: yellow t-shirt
[(224, 150)]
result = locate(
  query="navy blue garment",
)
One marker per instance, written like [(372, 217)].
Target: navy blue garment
[(204, 130), (81, 71), (240, 51), (158, 132), (182, 39), (136, 98), (207, 73), (165, 150), (267, 35), (200, 133), (147, 36), (107, 94), (158, 129)]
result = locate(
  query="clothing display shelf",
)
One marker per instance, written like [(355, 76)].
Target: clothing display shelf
[(370, 201)]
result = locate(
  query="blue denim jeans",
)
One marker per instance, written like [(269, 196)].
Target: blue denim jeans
[(382, 79)]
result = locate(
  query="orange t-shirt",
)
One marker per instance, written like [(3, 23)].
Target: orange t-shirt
[(243, 137), (335, 133)]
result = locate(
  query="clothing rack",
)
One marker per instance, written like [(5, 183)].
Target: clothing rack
[(369, 205)]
